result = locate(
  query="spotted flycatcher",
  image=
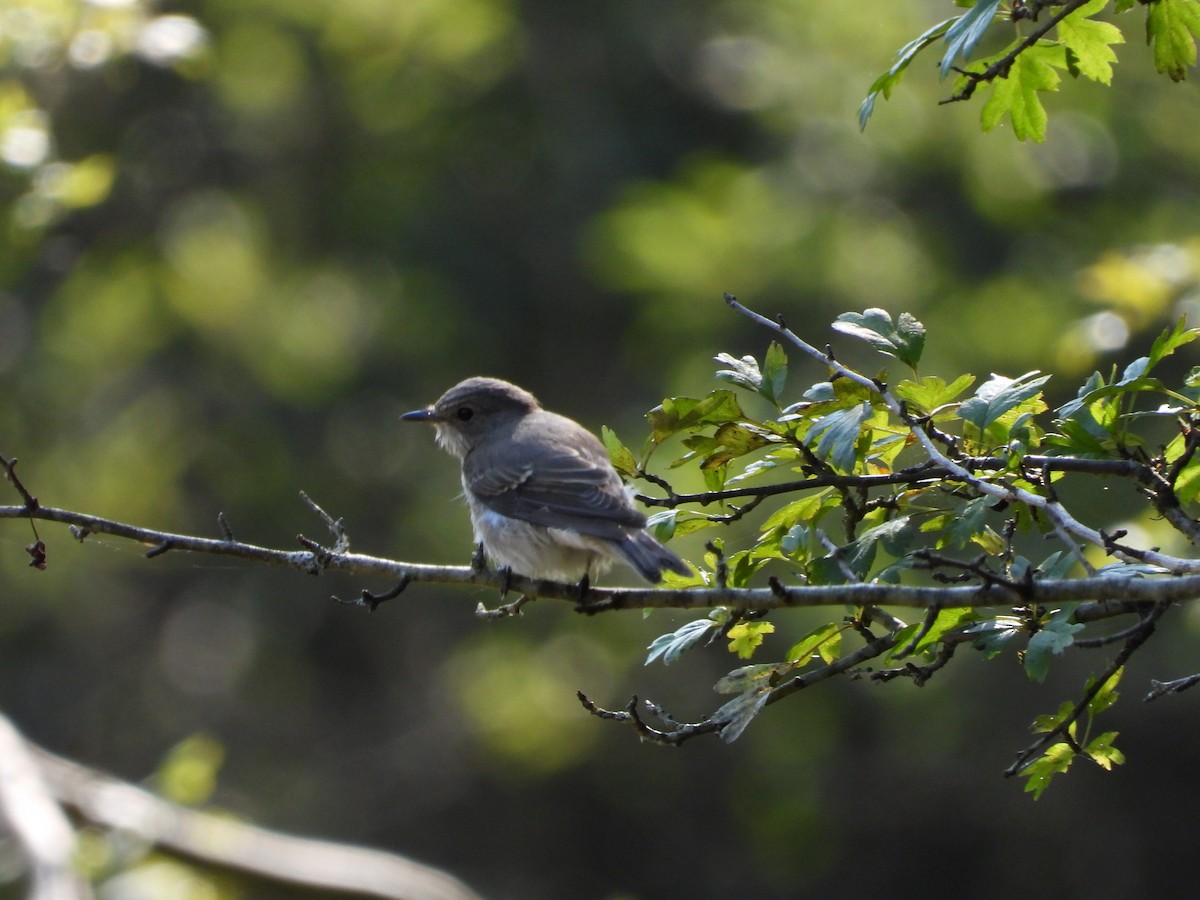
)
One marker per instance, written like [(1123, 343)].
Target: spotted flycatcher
[(545, 500)]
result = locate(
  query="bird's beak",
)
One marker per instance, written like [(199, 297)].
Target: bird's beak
[(421, 415)]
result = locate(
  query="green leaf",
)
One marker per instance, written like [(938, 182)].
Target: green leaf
[(732, 440), (745, 637), (932, 392), (743, 372), (998, 395), (886, 82), (1016, 95), (968, 522), (1088, 42), (1170, 341), (1172, 27), (1055, 636), (837, 435), (825, 641), (965, 34), (620, 455), (807, 509), (992, 636), (1103, 753), (947, 620), (1056, 759), (1046, 723), (903, 339), (1107, 695), (775, 369), (676, 414), (668, 523)]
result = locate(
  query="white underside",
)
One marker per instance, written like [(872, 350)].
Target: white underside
[(537, 551)]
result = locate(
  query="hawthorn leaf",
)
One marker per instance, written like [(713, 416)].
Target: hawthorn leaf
[(1016, 95), (1088, 42), (904, 339), (964, 35), (1172, 27), (886, 82)]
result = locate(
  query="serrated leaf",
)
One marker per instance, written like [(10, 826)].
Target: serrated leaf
[(904, 339), (1170, 341), (963, 36), (1053, 637), (1046, 723), (1056, 759), (1107, 695), (622, 458), (743, 372), (1103, 753), (746, 637), (1172, 27), (998, 395), (669, 647), (825, 641), (932, 392), (992, 636), (806, 509), (1088, 42), (947, 620), (1016, 95), (886, 82), (676, 414), (837, 435)]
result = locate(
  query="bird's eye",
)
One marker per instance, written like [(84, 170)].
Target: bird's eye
[(464, 413)]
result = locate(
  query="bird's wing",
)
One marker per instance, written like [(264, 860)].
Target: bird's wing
[(558, 486)]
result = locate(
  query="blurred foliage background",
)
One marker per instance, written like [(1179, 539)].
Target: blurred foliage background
[(241, 236)]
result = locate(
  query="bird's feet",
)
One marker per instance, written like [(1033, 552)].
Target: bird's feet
[(479, 559)]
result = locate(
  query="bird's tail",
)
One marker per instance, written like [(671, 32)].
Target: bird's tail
[(649, 557)]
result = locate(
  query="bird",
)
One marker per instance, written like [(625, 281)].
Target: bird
[(544, 498)]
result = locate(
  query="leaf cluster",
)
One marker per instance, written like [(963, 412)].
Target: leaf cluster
[(915, 479), (1030, 64)]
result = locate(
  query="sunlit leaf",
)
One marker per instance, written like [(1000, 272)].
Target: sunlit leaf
[(746, 637), (1172, 27), (824, 641), (669, 647), (998, 395), (903, 339), (1055, 760), (1102, 752), (620, 455), (1088, 42), (963, 36), (1016, 95)]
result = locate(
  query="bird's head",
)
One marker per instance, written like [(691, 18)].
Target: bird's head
[(472, 409)]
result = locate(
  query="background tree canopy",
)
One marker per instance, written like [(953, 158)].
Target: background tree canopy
[(242, 237)]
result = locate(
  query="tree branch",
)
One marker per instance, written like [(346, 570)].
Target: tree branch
[(39, 827), (601, 599), (1000, 68), (225, 842)]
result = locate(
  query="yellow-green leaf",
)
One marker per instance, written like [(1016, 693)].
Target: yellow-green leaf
[(1017, 95), (1172, 26), (745, 637), (1088, 43)]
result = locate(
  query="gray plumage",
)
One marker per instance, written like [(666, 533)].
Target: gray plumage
[(544, 497)]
